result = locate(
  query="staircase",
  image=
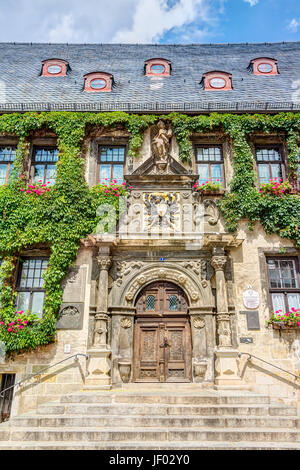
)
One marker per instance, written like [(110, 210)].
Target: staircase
[(167, 417)]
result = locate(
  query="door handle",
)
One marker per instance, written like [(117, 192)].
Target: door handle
[(165, 344)]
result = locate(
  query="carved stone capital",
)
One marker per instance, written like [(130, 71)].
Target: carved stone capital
[(104, 262), (218, 262)]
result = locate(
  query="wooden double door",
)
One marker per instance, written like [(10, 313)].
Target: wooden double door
[(162, 337)]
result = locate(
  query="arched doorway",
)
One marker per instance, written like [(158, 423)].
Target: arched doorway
[(162, 335)]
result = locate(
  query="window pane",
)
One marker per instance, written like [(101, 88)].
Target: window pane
[(23, 301), (278, 302), (263, 173), (38, 303), (51, 173), (293, 301), (118, 173), (150, 302), (209, 154), (104, 173), (32, 272), (288, 274), (216, 173), (46, 155), (39, 173), (3, 172), (203, 171), (268, 155), (276, 170), (7, 154), (173, 302)]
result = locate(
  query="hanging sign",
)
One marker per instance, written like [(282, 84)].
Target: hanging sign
[(251, 298)]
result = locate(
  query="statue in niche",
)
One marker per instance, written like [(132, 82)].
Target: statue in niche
[(161, 145)]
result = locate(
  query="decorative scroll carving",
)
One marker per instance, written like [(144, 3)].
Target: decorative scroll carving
[(211, 211), (104, 262), (198, 267), (199, 322), (126, 323), (218, 262), (70, 310)]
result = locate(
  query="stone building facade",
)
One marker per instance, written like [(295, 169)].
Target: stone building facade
[(170, 296)]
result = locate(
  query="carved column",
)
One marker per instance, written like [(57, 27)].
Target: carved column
[(226, 366), (99, 354), (223, 319)]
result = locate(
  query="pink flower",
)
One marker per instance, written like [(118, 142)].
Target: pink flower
[(130, 187), (1, 322), (298, 323), (123, 184), (25, 322), (296, 314), (21, 189), (20, 327), (10, 329), (28, 192)]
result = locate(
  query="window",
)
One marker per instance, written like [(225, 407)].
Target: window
[(210, 164), (157, 67), (7, 156), (216, 81), (150, 302), (263, 66), (30, 285), (173, 302), (284, 283), (269, 164), (112, 161), (44, 164), (98, 82), (55, 68)]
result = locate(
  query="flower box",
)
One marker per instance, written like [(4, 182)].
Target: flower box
[(284, 326)]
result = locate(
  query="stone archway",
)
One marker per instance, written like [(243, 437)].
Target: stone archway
[(125, 291), (162, 335)]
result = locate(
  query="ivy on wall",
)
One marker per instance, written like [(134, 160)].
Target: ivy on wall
[(60, 217)]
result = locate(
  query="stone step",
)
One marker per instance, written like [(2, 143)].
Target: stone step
[(151, 434), (167, 399), (164, 409), (155, 421), (153, 445)]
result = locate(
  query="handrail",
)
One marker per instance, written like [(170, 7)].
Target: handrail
[(41, 371), (266, 362)]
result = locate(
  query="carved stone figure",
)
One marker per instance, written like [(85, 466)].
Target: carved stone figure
[(161, 146)]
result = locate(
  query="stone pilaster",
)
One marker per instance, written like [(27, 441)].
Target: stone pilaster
[(99, 366), (226, 366)]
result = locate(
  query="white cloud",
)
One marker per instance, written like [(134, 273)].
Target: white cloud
[(95, 21), (152, 18), (252, 2), (293, 25)]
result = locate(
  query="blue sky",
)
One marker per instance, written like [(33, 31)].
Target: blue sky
[(150, 21)]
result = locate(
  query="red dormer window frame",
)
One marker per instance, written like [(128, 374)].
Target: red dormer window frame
[(256, 63), (90, 78), (166, 64), (208, 77), (63, 64)]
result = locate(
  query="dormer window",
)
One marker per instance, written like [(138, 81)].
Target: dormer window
[(216, 81), (157, 67), (98, 81), (54, 68), (263, 66)]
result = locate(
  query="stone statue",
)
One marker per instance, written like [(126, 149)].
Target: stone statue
[(161, 145)]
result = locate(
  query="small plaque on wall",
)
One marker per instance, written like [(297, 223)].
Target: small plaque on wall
[(253, 320), (246, 340), (251, 298)]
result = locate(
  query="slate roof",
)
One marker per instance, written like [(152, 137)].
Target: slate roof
[(22, 87)]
